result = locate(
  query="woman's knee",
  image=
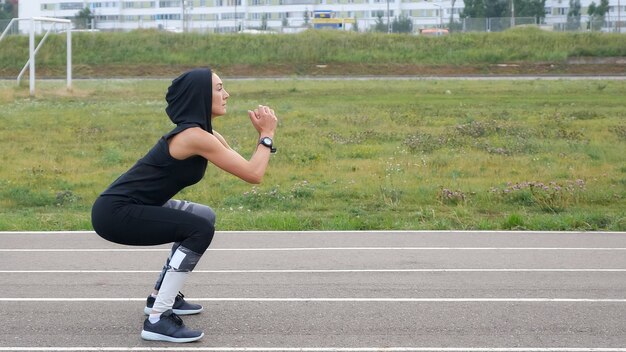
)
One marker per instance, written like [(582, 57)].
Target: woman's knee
[(207, 233), (209, 214), (200, 210), (201, 237)]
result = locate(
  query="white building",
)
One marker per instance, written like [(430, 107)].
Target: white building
[(227, 15), (284, 15)]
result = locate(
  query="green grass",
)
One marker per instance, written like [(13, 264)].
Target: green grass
[(93, 51), (529, 155)]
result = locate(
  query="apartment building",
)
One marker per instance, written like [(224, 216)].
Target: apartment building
[(281, 15)]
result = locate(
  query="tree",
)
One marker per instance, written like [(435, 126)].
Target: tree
[(603, 8), (454, 26), (83, 18), (380, 25), (600, 12), (502, 8), (6, 11), (596, 14), (473, 9), (306, 18), (452, 12), (573, 16), (402, 24), (497, 8), (530, 8), (592, 8)]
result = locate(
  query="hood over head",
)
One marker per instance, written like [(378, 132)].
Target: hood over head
[(189, 99)]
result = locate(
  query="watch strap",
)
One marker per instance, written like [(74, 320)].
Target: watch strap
[(271, 146)]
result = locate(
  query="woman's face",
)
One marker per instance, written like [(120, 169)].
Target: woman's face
[(218, 104)]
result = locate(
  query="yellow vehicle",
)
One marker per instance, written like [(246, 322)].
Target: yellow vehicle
[(434, 31), (327, 19)]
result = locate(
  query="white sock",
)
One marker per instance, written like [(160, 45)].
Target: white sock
[(172, 283), (173, 280), (153, 318)]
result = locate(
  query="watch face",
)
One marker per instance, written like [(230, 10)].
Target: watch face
[(267, 141)]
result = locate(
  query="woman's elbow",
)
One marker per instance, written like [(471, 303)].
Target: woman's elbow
[(254, 179)]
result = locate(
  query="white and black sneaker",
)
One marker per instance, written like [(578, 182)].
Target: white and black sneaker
[(169, 328), (180, 307)]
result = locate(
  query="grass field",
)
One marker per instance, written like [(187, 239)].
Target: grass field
[(377, 154), (151, 53)]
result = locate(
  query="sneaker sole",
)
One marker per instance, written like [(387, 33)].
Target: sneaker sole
[(147, 311), (151, 336)]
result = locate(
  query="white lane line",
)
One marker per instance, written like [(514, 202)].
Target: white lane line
[(326, 349), (313, 232), (314, 271), (326, 299), (321, 249)]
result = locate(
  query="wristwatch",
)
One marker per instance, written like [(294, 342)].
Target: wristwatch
[(267, 141)]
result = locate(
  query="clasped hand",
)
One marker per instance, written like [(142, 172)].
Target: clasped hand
[(263, 119)]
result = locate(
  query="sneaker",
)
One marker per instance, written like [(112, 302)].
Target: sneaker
[(169, 328), (180, 307)]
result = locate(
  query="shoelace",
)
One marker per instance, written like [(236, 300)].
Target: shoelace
[(175, 318)]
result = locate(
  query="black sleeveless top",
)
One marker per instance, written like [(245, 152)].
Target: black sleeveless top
[(158, 176)]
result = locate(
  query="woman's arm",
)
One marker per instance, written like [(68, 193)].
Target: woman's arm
[(221, 139), (196, 141)]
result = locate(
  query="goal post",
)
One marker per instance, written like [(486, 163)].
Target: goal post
[(33, 50)]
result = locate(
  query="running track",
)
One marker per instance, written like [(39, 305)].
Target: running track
[(325, 291)]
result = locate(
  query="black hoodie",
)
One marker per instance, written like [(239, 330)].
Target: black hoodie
[(157, 177), (189, 100)]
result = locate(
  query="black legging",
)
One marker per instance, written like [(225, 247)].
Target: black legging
[(120, 220)]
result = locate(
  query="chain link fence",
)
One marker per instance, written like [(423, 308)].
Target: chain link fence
[(555, 23), (586, 23), (295, 24)]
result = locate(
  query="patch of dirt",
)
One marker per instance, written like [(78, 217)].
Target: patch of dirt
[(579, 66)]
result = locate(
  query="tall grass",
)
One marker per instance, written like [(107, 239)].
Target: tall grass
[(93, 51), (542, 155)]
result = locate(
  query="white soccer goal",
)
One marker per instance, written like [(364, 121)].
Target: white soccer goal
[(33, 51)]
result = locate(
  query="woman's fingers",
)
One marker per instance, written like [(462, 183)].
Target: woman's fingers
[(262, 111)]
